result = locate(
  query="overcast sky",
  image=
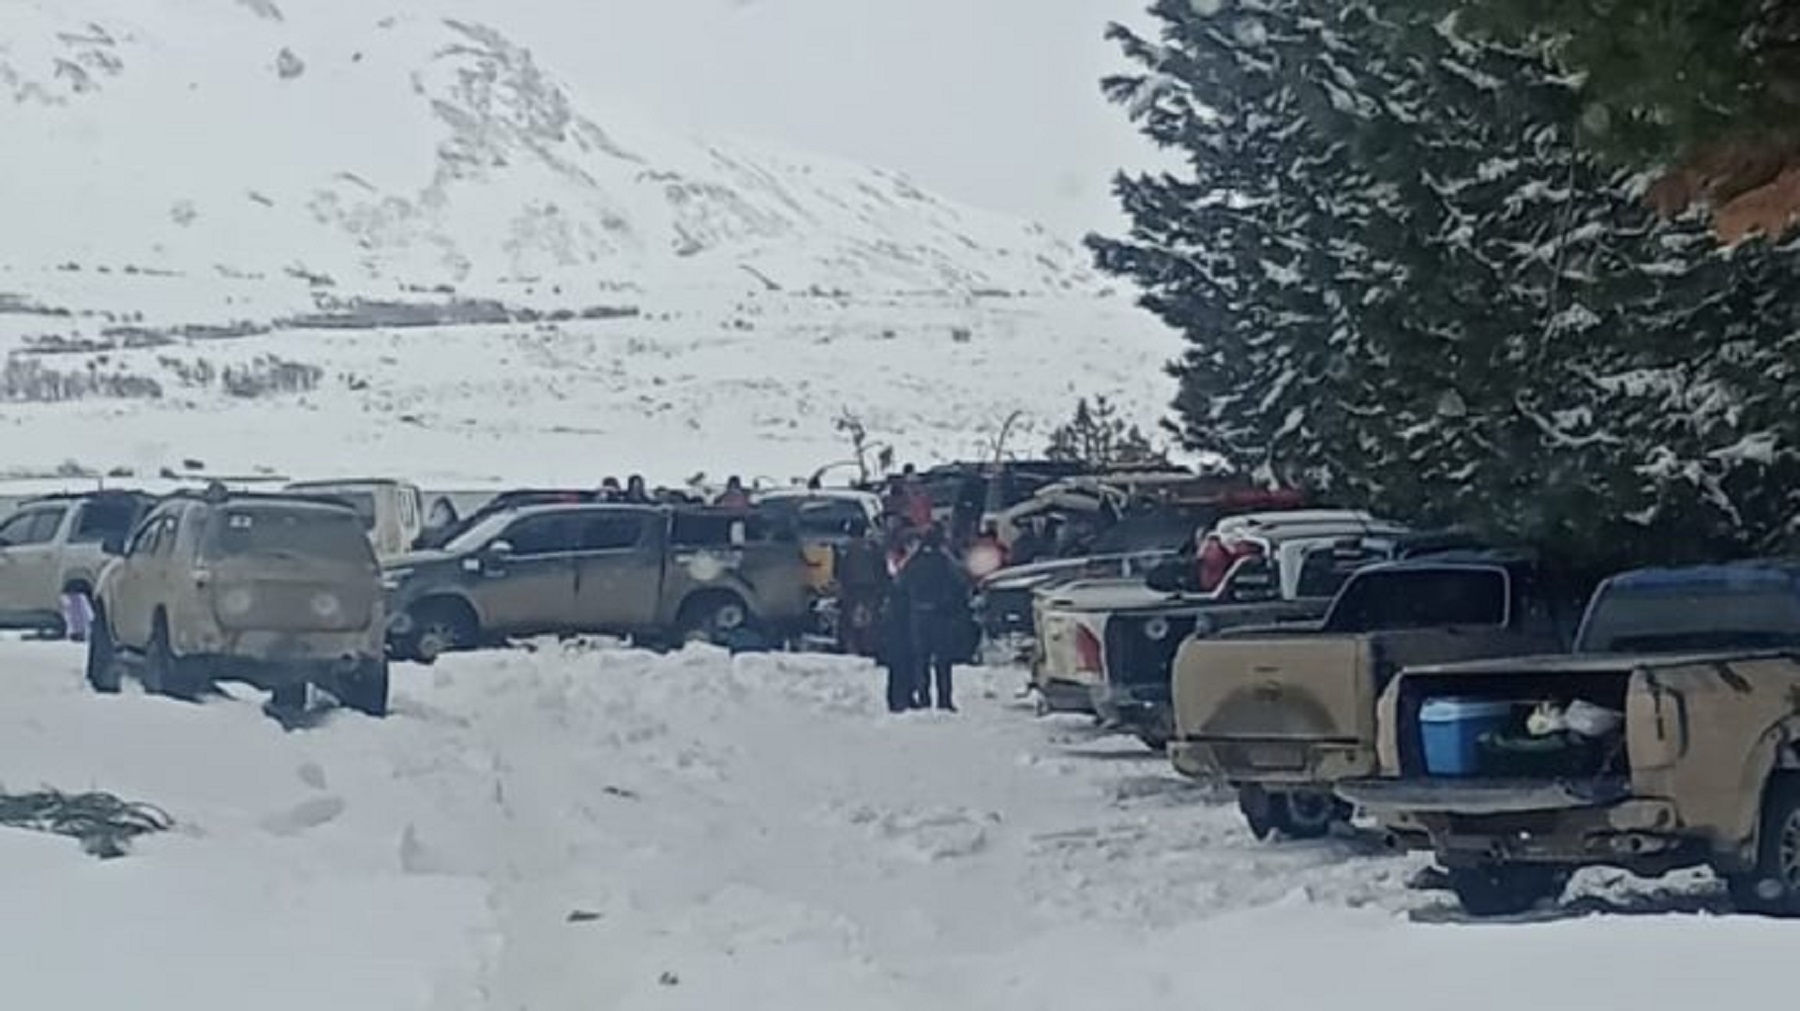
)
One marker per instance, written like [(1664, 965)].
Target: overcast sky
[(992, 102)]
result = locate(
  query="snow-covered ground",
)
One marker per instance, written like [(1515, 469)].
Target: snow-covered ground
[(580, 828), (749, 384)]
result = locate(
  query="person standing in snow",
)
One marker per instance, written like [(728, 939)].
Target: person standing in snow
[(863, 581), (915, 500), (935, 596), (896, 649), (636, 491), (734, 496)]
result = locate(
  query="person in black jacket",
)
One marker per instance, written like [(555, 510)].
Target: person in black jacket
[(935, 594), (897, 640)]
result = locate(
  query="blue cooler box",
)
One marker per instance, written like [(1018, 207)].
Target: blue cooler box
[(1452, 729)]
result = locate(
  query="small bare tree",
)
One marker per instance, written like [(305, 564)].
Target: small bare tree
[(852, 427)]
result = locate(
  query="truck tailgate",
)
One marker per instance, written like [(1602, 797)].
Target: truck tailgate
[(1308, 687)]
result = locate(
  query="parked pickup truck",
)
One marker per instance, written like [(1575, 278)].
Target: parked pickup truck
[(1261, 568), (658, 573), (1671, 738), (57, 545), (1285, 716)]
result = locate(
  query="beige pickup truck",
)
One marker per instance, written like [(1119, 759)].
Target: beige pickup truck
[(1283, 715), (1517, 772)]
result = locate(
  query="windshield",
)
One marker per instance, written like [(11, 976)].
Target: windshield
[(1420, 598), (1680, 618), (358, 498), (275, 532)]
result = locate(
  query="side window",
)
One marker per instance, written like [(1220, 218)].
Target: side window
[(145, 538), (542, 535), (611, 533), (155, 539), (165, 541), (16, 529), (39, 526)]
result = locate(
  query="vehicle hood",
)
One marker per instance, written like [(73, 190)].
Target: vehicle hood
[(1039, 573), (417, 560), (1104, 595)]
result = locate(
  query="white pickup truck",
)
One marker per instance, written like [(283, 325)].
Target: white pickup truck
[(57, 545)]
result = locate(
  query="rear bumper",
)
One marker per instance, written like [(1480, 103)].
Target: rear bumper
[(1272, 761), (1132, 705), (266, 673), (1066, 696), (1532, 821)]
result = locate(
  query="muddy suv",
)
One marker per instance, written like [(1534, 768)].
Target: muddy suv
[(1283, 715), (658, 574), (276, 591), (1670, 739), (50, 547)]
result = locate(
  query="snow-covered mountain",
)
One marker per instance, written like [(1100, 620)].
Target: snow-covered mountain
[(346, 235), (368, 142)]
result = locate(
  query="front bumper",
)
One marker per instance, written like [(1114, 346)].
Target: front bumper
[(1281, 762)]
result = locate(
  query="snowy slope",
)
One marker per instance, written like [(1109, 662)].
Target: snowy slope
[(200, 185), (401, 143), (577, 830)]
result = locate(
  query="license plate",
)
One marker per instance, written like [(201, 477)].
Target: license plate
[(1275, 756)]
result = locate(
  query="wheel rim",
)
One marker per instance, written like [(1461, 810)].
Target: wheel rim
[(436, 639), (1309, 810), (1790, 850), (729, 618)]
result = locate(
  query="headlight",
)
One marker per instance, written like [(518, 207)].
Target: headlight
[(325, 605), (236, 602), (1156, 629)]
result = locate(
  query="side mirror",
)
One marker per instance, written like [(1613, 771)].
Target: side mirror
[(492, 558), (113, 545)]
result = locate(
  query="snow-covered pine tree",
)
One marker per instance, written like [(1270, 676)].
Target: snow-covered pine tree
[(1402, 279), (1234, 249)]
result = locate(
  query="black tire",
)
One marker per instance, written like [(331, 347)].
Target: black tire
[(1156, 730), (1772, 887), (1257, 806), (1506, 889), (289, 697), (1307, 814), (164, 672), (439, 627), (366, 691), (713, 617), (103, 673)]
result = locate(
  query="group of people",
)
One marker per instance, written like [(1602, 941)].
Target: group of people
[(904, 599)]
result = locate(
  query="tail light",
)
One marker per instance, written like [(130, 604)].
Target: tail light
[(1089, 657)]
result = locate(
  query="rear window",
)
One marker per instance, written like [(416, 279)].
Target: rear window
[(817, 517), (713, 529), (1325, 570), (288, 533), (1413, 599), (104, 517), (1679, 618)]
